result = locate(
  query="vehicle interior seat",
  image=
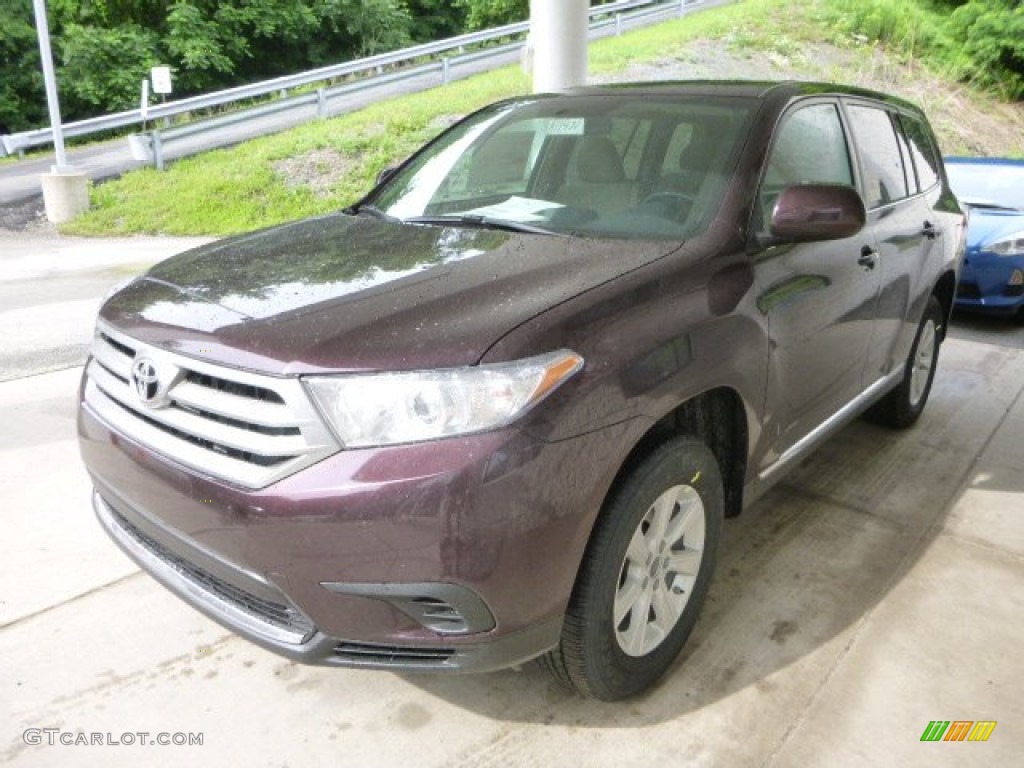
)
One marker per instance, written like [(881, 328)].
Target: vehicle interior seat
[(696, 159), (596, 178)]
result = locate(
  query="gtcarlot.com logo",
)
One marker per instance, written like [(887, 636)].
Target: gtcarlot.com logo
[(958, 730), (55, 736)]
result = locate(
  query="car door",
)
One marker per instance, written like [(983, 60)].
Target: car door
[(819, 299), (904, 226)]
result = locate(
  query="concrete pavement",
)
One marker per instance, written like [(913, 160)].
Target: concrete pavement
[(51, 287), (880, 587)]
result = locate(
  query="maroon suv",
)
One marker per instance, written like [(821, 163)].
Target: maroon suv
[(499, 409)]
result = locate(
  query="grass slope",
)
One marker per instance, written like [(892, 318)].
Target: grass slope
[(325, 165)]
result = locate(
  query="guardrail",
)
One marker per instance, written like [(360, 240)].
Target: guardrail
[(627, 12)]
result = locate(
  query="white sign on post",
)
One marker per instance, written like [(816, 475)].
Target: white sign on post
[(161, 77)]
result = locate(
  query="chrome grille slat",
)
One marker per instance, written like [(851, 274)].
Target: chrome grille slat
[(246, 428), (268, 414), (126, 423), (113, 359)]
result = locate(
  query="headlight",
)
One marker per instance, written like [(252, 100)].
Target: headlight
[(1008, 246), (390, 408)]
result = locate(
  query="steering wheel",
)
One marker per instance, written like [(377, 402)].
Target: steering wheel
[(667, 202)]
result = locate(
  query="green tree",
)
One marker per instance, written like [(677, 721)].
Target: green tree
[(991, 38), (366, 27), (481, 14), (22, 97), (101, 68), (434, 20)]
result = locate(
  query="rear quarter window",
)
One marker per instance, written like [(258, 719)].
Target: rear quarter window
[(922, 152)]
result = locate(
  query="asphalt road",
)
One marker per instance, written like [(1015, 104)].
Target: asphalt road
[(51, 288)]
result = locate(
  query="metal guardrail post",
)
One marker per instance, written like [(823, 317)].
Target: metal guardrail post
[(321, 102), (618, 25), (158, 150), (446, 70)]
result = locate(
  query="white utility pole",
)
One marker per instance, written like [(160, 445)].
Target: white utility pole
[(43, 32), (558, 33), (65, 192)]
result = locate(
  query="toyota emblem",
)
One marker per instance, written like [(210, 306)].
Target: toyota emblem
[(146, 381)]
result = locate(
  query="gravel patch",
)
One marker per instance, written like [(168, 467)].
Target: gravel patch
[(317, 170), (28, 218)]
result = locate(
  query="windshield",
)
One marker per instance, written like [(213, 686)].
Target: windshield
[(602, 165), (988, 183)]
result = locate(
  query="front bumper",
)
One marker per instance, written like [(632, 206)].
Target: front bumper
[(991, 284), (278, 626), (494, 525)]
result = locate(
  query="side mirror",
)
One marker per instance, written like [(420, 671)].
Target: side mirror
[(810, 212), (386, 174)]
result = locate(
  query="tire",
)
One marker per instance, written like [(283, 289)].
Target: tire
[(903, 405), (652, 553)]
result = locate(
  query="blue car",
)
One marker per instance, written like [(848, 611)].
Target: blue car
[(992, 188)]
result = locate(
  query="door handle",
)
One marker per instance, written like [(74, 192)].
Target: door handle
[(930, 231), (868, 257)]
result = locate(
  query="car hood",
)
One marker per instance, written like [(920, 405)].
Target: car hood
[(344, 293), (988, 225)]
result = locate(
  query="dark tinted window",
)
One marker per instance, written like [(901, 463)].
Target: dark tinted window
[(922, 152), (884, 178), (908, 166)]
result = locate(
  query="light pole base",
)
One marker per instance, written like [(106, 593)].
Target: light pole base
[(65, 195)]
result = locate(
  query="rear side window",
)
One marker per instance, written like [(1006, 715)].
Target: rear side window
[(922, 152), (885, 179)]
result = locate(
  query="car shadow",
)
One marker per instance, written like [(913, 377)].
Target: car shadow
[(800, 570)]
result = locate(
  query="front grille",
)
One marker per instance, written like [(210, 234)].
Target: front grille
[(246, 428), (968, 290), (278, 614), (391, 655)]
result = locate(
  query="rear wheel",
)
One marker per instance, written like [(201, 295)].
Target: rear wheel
[(902, 407), (645, 574)]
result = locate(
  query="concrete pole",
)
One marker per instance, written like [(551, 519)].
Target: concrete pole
[(558, 33), (65, 191)]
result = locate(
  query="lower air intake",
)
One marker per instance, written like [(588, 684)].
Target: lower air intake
[(392, 655)]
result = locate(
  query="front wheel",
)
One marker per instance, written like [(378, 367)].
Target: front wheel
[(901, 407), (645, 574)]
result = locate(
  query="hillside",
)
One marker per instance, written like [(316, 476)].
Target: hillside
[(325, 165), (965, 120)]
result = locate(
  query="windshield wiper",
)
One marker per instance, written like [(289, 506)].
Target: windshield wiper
[(374, 211), (478, 220)]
